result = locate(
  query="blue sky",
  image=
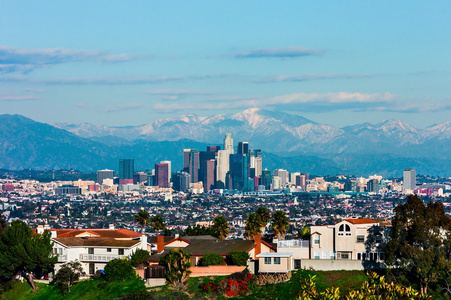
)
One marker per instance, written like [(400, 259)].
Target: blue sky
[(132, 62)]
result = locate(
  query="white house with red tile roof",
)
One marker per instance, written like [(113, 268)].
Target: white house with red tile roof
[(94, 247)]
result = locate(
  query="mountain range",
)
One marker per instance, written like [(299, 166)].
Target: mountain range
[(287, 141)]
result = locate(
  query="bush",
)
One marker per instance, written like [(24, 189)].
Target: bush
[(238, 258), (119, 270), (211, 259), (139, 258), (67, 276)]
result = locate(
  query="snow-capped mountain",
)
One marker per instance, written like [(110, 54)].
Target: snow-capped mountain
[(280, 132)]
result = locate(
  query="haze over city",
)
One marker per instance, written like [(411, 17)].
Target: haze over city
[(131, 63)]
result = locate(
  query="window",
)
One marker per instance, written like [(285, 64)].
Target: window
[(381, 255), (297, 264), (373, 256), (121, 251), (324, 255), (333, 255), (344, 256), (359, 256), (344, 229), (360, 239), (316, 254), (90, 250), (378, 237), (267, 260), (60, 251), (108, 249), (316, 239), (277, 260)]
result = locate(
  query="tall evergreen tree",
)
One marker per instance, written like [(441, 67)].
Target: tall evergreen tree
[(420, 241), (25, 252)]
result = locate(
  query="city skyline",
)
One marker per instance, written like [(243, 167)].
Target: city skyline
[(121, 64)]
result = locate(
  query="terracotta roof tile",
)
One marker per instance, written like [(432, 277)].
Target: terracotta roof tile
[(361, 221), (96, 242)]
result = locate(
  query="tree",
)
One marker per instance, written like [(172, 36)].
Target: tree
[(3, 225), (139, 257), (25, 252), (279, 224), (238, 258), (157, 223), (252, 227), (211, 259), (419, 242), (220, 227), (177, 263), (68, 275), (305, 234), (142, 218), (119, 270), (263, 216)]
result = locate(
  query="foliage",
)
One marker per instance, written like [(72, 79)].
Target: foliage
[(157, 223), (263, 216), (238, 258), (3, 225), (279, 224), (230, 287), (68, 275), (305, 233), (220, 227), (142, 218), (252, 227), (211, 259), (420, 241), (22, 251), (119, 270), (139, 257), (198, 230), (177, 263)]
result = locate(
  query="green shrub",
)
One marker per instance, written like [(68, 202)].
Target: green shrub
[(238, 258), (119, 270), (211, 259), (139, 258)]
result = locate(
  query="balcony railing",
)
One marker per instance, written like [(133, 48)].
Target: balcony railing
[(293, 243), (99, 257)]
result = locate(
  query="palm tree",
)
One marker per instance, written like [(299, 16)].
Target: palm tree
[(264, 216), (221, 227), (252, 227), (157, 223), (279, 224), (142, 218)]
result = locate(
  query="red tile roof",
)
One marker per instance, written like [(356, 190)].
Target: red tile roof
[(103, 233), (96, 242), (361, 221)]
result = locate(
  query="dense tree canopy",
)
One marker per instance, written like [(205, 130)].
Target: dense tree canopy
[(25, 252), (420, 241), (142, 218), (3, 225), (263, 216), (279, 224), (252, 227), (68, 275), (157, 223)]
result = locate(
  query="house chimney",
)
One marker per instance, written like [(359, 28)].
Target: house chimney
[(160, 243), (111, 226), (40, 229), (258, 247), (46, 227)]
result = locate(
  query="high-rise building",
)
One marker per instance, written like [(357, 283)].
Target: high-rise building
[(300, 181), (181, 181), (243, 148), (186, 160), (255, 162), (104, 174), (276, 183), (372, 186), (194, 164), (266, 179), (293, 177), (161, 175), (410, 179), (283, 174), (168, 162), (222, 167), (208, 178), (228, 143), (239, 171), (139, 177), (126, 170), (213, 148)]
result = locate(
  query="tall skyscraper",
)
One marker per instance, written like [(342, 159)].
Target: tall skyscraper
[(104, 174), (243, 148), (266, 179), (168, 162), (283, 174), (222, 167), (372, 186), (410, 179), (206, 168), (186, 159), (181, 181), (239, 171), (126, 170), (213, 148), (228, 143), (255, 161), (161, 175), (194, 164)]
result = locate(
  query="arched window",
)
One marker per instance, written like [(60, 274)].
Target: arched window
[(344, 229)]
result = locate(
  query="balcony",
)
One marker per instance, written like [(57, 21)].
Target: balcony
[(99, 257), (293, 243)]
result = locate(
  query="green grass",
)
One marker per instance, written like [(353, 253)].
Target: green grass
[(87, 289)]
